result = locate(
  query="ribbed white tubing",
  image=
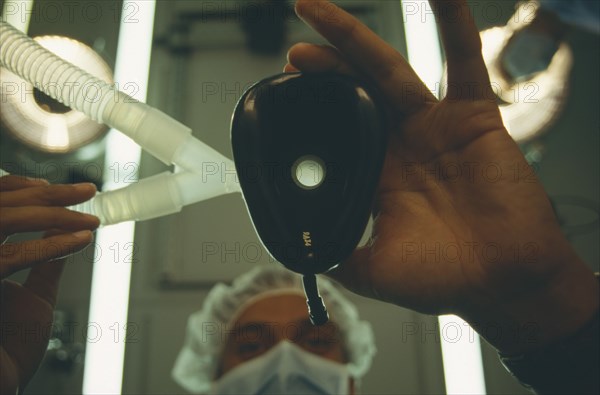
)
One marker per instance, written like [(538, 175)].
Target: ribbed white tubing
[(95, 98), (160, 135)]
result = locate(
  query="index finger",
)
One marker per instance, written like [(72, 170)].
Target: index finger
[(49, 195), (12, 183), (367, 52), (33, 219)]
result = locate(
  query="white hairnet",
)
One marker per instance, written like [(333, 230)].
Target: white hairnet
[(197, 363)]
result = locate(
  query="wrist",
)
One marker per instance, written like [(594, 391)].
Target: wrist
[(570, 365), (550, 312)]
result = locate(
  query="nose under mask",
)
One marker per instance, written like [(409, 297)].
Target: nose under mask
[(285, 369)]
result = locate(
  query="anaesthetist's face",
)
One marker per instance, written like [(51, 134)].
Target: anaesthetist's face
[(263, 324)]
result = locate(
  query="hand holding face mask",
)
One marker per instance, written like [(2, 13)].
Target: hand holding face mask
[(419, 209)]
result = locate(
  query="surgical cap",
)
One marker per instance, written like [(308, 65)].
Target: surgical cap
[(198, 360)]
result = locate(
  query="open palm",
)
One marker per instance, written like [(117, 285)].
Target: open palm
[(462, 225)]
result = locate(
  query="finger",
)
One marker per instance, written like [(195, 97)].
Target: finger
[(288, 68), (44, 279), (462, 44), (318, 58), (31, 219), (368, 53), (50, 195), (11, 183), (19, 256), (353, 274)]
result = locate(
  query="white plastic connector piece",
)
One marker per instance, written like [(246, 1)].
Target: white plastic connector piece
[(159, 134), (194, 187), (162, 135), (215, 168), (149, 198), (163, 194)]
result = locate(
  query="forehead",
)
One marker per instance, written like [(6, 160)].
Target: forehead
[(280, 308)]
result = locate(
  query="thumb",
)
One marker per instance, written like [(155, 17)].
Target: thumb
[(44, 278), (354, 273)]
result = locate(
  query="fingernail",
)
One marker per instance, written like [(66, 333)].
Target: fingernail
[(40, 181), (92, 218), (85, 187), (300, 8), (310, 10), (83, 235)]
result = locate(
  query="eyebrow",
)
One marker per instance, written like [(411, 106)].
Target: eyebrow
[(304, 324), (268, 324)]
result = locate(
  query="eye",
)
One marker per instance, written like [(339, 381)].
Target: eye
[(248, 350), (321, 340), (317, 344)]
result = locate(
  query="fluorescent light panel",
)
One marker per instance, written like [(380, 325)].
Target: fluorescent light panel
[(461, 354), (422, 43), (463, 367), (105, 352)]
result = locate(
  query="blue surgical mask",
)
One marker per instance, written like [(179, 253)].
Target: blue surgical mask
[(285, 369)]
